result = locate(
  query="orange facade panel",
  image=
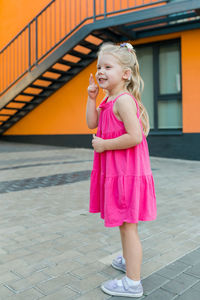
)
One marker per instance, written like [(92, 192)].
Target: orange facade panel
[(190, 80), (14, 15)]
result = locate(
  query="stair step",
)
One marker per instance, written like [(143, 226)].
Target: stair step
[(5, 115), (57, 71), (25, 109), (89, 45), (21, 113), (66, 63), (5, 126), (20, 101), (13, 121), (107, 35), (17, 110), (11, 108), (43, 87), (78, 54), (51, 79), (80, 64), (32, 95)]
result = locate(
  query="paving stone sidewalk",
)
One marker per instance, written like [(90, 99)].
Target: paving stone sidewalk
[(179, 280), (52, 248)]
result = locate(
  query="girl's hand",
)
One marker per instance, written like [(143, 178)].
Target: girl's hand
[(98, 144), (93, 89)]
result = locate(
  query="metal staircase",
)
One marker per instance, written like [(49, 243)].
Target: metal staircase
[(43, 72)]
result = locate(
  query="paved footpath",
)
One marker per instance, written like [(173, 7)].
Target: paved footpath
[(52, 248)]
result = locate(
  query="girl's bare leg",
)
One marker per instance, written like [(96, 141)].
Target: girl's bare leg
[(132, 250)]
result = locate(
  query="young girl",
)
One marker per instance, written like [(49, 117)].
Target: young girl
[(122, 187)]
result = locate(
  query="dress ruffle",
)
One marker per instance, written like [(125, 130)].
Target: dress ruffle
[(122, 199)]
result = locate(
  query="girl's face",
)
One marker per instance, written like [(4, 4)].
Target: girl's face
[(110, 74)]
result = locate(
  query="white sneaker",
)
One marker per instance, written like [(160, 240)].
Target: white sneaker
[(118, 264), (112, 288)]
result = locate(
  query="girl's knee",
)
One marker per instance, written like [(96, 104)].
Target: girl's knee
[(128, 227)]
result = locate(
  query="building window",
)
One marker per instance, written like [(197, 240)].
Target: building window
[(160, 69)]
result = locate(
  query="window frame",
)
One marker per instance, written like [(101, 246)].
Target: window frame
[(156, 85)]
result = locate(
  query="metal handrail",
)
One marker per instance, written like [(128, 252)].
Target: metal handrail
[(56, 22)]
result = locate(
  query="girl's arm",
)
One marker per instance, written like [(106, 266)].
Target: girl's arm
[(127, 111), (92, 113)]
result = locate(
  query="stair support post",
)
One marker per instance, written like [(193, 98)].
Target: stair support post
[(36, 40), (94, 10), (105, 9), (29, 47)]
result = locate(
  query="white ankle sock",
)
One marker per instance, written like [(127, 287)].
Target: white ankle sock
[(129, 281), (123, 260), (132, 282)]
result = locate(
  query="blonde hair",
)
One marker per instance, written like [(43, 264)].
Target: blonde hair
[(134, 85)]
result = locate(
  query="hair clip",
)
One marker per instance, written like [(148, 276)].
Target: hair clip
[(127, 45)]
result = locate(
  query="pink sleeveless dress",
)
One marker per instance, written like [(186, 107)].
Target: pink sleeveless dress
[(122, 186)]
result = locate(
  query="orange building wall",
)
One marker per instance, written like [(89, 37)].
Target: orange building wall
[(191, 80), (14, 15)]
